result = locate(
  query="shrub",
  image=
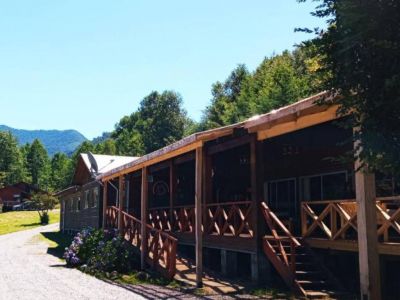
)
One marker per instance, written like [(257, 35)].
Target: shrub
[(96, 250), (44, 218)]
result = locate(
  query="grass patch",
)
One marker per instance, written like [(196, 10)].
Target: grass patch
[(271, 292), (22, 220), (57, 242), (149, 278)]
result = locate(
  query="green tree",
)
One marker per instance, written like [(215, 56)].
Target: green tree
[(224, 108), (60, 171), (43, 202), (38, 164), (278, 81), (11, 163), (129, 143), (108, 147), (361, 50), (161, 119)]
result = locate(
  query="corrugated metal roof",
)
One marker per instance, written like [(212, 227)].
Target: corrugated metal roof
[(106, 163)]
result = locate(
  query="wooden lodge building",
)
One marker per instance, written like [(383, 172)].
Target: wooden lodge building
[(81, 204), (274, 196)]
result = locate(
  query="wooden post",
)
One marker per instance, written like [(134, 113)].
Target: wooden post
[(105, 192), (172, 181), (207, 187), (198, 208), (120, 201), (256, 205), (367, 234), (127, 192), (143, 230)]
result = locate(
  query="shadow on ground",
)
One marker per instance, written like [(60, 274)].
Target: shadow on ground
[(60, 240), (31, 224)]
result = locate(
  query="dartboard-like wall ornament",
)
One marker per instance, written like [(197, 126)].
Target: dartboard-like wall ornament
[(160, 188)]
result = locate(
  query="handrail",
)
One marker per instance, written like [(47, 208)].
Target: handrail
[(328, 201), (279, 223), (386, 198), (163, 233), (228, 203), (274, 246)]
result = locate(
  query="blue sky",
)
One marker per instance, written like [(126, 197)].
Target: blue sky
[(85, 64)]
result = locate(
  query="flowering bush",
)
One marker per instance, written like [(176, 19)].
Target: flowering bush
[(99, 250)]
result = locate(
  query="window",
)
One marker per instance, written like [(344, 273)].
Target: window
[(87, 199), (329, 186), (78, 203), (71, 204), (95, 196), (281, 195), (386, 186)]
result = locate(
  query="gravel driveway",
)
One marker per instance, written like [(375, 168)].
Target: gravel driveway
[(28, 272)]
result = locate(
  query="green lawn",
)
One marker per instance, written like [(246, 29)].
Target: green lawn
[(22, 220)]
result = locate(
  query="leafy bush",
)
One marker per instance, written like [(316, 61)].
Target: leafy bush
[(44, 218), (104, 251)]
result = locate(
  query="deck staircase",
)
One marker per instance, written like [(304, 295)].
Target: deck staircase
[(295, 262)]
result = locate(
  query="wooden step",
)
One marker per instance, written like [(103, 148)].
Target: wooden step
[(318, 295), (308, 273), (312, 282)]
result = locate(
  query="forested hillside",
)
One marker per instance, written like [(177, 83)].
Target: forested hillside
[(65, 141)]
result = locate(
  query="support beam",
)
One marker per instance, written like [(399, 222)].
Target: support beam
[(145, 187), (105, 192), (172, 181), (229, 263), (128, 192), (367, 234), (120, 201), (256, 205), (198, 208)]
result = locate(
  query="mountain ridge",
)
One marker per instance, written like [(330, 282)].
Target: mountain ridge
[(54, 140)]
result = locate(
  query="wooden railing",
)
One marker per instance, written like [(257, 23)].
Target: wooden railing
[(184, 219), (224, 219), (337, 220), (178, 219), (160, 218), (161, 251), (229, 219), (131, 229), (112, 217), (160, 247), (279, 243)]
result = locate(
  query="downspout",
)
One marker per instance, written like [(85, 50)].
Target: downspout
[(117, 190)]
